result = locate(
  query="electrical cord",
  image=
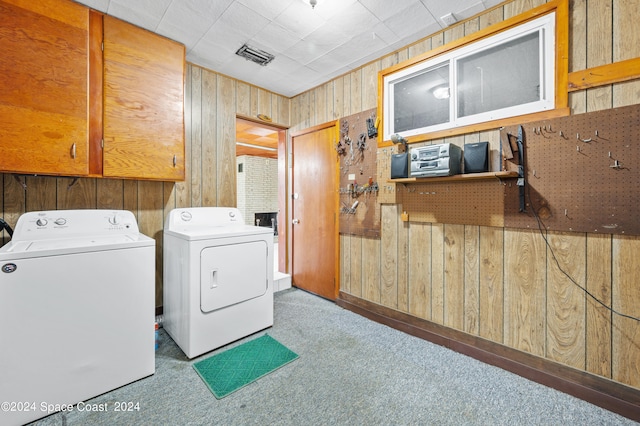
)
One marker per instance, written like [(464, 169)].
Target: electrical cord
[(541, 228), (4, 225)]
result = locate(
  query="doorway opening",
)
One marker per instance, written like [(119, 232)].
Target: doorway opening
[(261, 180)]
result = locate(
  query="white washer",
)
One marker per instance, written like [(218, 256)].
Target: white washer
[(77, 310), (218, 278)]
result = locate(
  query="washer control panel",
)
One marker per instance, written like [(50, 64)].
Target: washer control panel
[(70, 223)]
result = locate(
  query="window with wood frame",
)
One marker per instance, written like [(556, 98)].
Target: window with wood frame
[(513, 70)]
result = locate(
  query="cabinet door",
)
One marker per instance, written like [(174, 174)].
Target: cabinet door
[(44, 57), (143, 104)]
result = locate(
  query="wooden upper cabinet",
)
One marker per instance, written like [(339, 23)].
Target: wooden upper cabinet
[(143, 104), (44, 58)]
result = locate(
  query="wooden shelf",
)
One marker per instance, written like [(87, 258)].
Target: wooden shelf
[(458, 178)]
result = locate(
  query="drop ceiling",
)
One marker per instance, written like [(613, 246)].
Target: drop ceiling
[(311, 45)]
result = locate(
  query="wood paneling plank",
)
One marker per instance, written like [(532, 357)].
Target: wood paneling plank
[(356, 265), (454, 276), (566, 260), (491, 283), (370, 85), (208, 160), (472, 279), (389, 253), (76, 194), (525, 294), (598, 318), (41, 193), (437, 273), (626, 300), (578, 51), (420, 270), (626, 45), (264, 103), (109, 194), (197, 123), (151, 222), (243, 98), (226, 142), (345, 263), (356, 91), (371, 269), (403, 264), (338, 98)]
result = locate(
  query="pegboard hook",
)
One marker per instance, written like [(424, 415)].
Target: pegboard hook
[(583, 140)]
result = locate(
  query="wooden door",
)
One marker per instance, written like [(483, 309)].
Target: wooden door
[(314, 228), (43, 90), (144, 103)]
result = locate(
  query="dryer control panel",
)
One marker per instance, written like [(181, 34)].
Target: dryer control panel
[(201, 217)]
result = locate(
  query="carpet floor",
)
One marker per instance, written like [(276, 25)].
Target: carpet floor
[(351, 371)]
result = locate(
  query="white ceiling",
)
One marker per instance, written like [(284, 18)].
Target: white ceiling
[(311, 46)]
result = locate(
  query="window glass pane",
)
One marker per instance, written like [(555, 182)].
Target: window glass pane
[(421, 100), (499, 77)]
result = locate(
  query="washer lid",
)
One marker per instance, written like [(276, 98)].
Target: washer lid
[(61, 246)]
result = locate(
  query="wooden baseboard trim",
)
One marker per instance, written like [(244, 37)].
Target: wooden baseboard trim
[(605, 393)]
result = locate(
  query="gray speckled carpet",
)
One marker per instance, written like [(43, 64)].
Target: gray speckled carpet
[(351, 371)]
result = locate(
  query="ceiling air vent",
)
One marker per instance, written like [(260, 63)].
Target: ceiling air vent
[(256, 55)]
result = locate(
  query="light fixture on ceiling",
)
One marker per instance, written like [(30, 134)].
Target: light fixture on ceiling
[(313, 3), (248, 145), (441, 91)]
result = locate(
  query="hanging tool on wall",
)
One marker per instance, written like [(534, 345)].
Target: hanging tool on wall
[(372, 128), (505, 148), (521, 182), (362, 142)]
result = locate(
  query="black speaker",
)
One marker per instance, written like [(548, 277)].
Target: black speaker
[(476, 157), (400, 165)]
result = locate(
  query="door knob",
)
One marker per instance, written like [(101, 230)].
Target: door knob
[(295, 221)]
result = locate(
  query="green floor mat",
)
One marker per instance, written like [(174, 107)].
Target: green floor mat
[(235, 368)]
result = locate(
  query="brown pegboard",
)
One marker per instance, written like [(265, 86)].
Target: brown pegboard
[(582, 173), (478, 202), (359, 178)]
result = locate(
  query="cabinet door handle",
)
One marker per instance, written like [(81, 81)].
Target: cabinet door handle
[(175, 160), (73, 151)]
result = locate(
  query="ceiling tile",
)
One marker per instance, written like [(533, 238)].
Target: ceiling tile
[(384, 9), (269, 9), (413, 19), (311, 46), (241, 17), (135, 17), (276, 37), (299, 19), (355, 18), (148, 11)]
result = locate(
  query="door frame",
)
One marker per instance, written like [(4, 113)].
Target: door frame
[(283, 185), (289, 207)]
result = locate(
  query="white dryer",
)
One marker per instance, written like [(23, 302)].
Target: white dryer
[(218, 278), (77, 310)]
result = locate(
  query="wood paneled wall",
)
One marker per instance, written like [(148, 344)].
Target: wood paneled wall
[(211, 104), (505, 285)]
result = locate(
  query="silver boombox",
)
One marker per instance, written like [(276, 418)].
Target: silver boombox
[(436, 160)]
